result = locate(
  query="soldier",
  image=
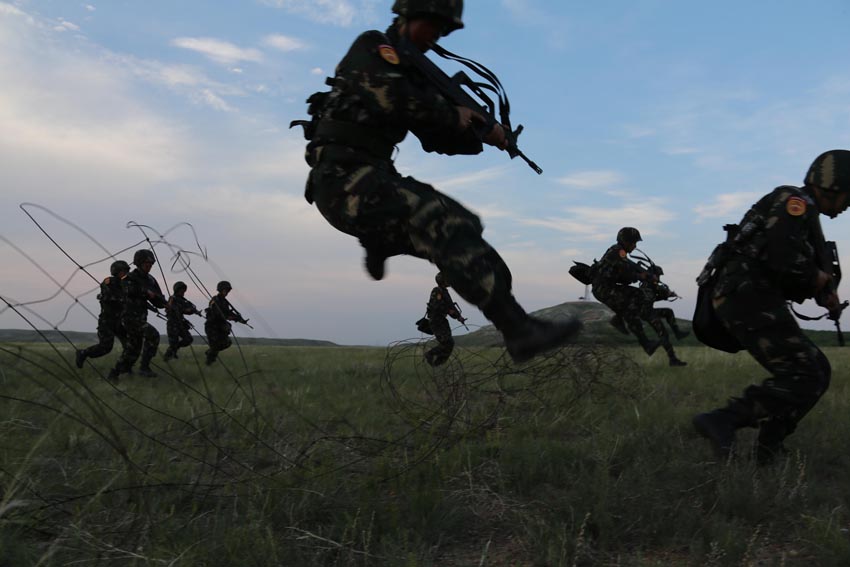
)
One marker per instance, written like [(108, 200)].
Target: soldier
[(376, 99), (440, 305), (217, 326), (177, 325), (111, 299), (141, 291), (774, 256), (653, 290), (612, 279)]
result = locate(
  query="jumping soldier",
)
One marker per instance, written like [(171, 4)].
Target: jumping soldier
[(217, 325), (776, 255), (111, 298), (653, 290), (177, 326), (440, 306), (377, 98), (141, 293), (612, 279)]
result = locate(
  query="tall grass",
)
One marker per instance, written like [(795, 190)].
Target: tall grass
[(343, 456)]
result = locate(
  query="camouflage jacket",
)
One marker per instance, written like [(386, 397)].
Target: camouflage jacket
[(178, 307), (440, 304), (615, 268), (776, 246), (221, 311), (140, 289), (111, 298), (379, 97)]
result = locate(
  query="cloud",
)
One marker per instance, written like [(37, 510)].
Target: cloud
[(317, 71), (726, 204), (601, 223), (64, 25), (342, 13), (591, 179), (219, 51), (284, 43)]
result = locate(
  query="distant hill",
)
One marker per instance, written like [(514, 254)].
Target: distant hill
[(24, 336), (597, 329)]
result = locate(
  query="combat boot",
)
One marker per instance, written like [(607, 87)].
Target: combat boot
[(535, 336), (113, 376), (374, 263), (679, 333), (147, 372), (169, 354), (719, 426), (649, 347), (80, 358), (676, 362), (617, 322), (210, 357), (770, 447)]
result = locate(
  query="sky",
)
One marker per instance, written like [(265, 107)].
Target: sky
[(670, 116)]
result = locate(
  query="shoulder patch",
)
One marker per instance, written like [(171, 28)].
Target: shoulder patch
[(796, 206), (107, 280), (388, 54), (439, 296), (622, 253)]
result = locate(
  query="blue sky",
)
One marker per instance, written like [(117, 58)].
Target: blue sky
[(669, 116)]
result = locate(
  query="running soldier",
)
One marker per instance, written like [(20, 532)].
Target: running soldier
[(440, 306), (217, 326), (612, 279), (111, 298), (378, 97), (141, 293), (176, 324), (777, 254)]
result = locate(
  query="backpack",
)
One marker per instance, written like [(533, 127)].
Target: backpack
[(582, 272)]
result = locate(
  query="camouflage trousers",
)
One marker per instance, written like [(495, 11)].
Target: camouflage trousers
[(656, 317), (800, 373), (441, 352), (107, 331), (178, 335), (218, 339), (393, 215), (625, 301), (142, 339)]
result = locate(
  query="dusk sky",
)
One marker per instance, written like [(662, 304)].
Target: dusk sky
[(670, 116)]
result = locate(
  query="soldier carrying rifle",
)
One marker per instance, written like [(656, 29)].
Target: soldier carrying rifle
[(775, 255), (384, 88), (217, 326), (435, 322)]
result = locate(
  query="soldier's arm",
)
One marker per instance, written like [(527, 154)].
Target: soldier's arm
[(789, 252)]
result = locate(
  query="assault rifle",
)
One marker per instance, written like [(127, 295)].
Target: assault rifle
[(452, 89), (460, 316), (653, 287), (834, 269)]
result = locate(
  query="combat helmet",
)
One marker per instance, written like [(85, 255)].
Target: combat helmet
[(223, 285), (441, 280), (118, 266), (830, 171), (628, 234), (179, 286), (143, 255), (450, 11)]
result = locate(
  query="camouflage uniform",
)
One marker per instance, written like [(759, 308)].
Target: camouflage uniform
[(440, 305), (376, 99), (657, 316), (217, 326), (140, 289), (612, 277), (109, 326), (176, 324), (772, 260)]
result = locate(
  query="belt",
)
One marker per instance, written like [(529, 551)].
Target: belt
[(354, 136)]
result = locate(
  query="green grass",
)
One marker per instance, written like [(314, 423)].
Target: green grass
[(319, 456)]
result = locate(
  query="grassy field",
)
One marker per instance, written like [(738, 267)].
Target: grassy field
[(365, 456)]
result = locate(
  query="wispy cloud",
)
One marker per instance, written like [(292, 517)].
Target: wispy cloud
[(284, 43), (591, 179), (726, 204), (218, 50), (336, 12)]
